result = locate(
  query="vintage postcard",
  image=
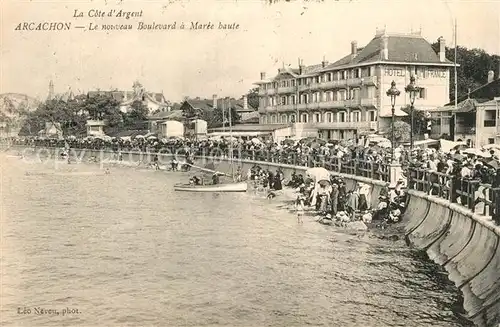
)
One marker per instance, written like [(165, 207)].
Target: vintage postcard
[(250, 163)]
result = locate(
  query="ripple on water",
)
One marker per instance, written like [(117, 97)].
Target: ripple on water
[(127, 251)]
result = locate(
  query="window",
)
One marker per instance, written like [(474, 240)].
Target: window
[(372, 115), (341, 116), (329, 118), (292, 118), (490, 118), (355, 94), (356, 116), (328, 96), (423, 93), (284, 101), (264, 119), (341, 135), (317, 118), (273, 119), (283, 119), (304, 118), (491, 141), (369, 71), (344, 74), (293, 99), (357, 73)]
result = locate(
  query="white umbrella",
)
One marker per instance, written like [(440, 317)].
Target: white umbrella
[(256, 141), (318, 173), (491, 146), (152, 137), (139, 136), (484, 154), (473, 151), (385, 144)]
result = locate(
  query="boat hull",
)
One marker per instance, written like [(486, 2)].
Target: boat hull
[(233, 187)]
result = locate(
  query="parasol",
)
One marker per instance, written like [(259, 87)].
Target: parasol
[(491, 146), (493, 163), (324, 182), (256, 141), (318, 173)]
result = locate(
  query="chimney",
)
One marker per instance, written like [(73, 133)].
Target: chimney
[(324, 62), (214, 101), (354, 48), (262, 76), (491, 76), (384, 49), (301, 67), (442, 49), (245, 102)]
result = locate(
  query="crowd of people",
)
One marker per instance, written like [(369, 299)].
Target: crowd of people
[(442, 170)]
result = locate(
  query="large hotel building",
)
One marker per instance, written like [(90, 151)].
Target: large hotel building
[(341, 99)]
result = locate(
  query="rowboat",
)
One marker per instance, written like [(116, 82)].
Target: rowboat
[(233, 186), (229, 187)]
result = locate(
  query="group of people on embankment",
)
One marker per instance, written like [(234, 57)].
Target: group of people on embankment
[(460, 162)]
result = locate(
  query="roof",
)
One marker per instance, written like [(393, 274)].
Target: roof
[(483, 93), (129, 96), (252, 128), (173, 114), (412, 48), (402, 48)]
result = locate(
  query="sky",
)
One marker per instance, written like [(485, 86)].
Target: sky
[(201, 63)]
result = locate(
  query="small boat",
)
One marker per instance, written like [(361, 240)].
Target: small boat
[(229, 187)]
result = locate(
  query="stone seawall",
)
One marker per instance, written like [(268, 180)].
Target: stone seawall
[(466, 245)]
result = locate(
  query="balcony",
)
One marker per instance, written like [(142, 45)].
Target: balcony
[(352, 103), (331, 104), (304, 106), (287, 90), (346, 125), (369, 102), (470, 130)]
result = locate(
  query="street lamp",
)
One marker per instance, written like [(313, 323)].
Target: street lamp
[(412, 89), (393, 92)]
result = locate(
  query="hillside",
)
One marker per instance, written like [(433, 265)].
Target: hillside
[(12, 104)]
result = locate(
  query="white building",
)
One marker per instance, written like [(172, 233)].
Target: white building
[(155, 102), (348, 96)]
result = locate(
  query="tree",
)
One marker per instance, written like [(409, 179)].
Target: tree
[(189, 112), (137, 115), (253, 97), (217, 118), (473, 70), (419, 120), (402, 131)]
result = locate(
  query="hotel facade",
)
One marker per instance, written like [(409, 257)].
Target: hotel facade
[(342, 99)]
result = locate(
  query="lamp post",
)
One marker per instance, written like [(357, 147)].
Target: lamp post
[(393, 92), (412, 89)]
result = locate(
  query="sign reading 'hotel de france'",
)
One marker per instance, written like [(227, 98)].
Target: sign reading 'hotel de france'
[(427, 73)]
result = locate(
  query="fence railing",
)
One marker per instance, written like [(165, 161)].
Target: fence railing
[(478, 197)]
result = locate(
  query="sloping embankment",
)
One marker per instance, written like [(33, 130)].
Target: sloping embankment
[(466, 245)]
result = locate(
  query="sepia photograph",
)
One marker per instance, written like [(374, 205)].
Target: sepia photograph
[(250, 163)]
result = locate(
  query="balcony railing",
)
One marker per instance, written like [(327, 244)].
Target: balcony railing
[(369, 102), (345, 125), (465, 130), (287, 89), (331, 104)]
